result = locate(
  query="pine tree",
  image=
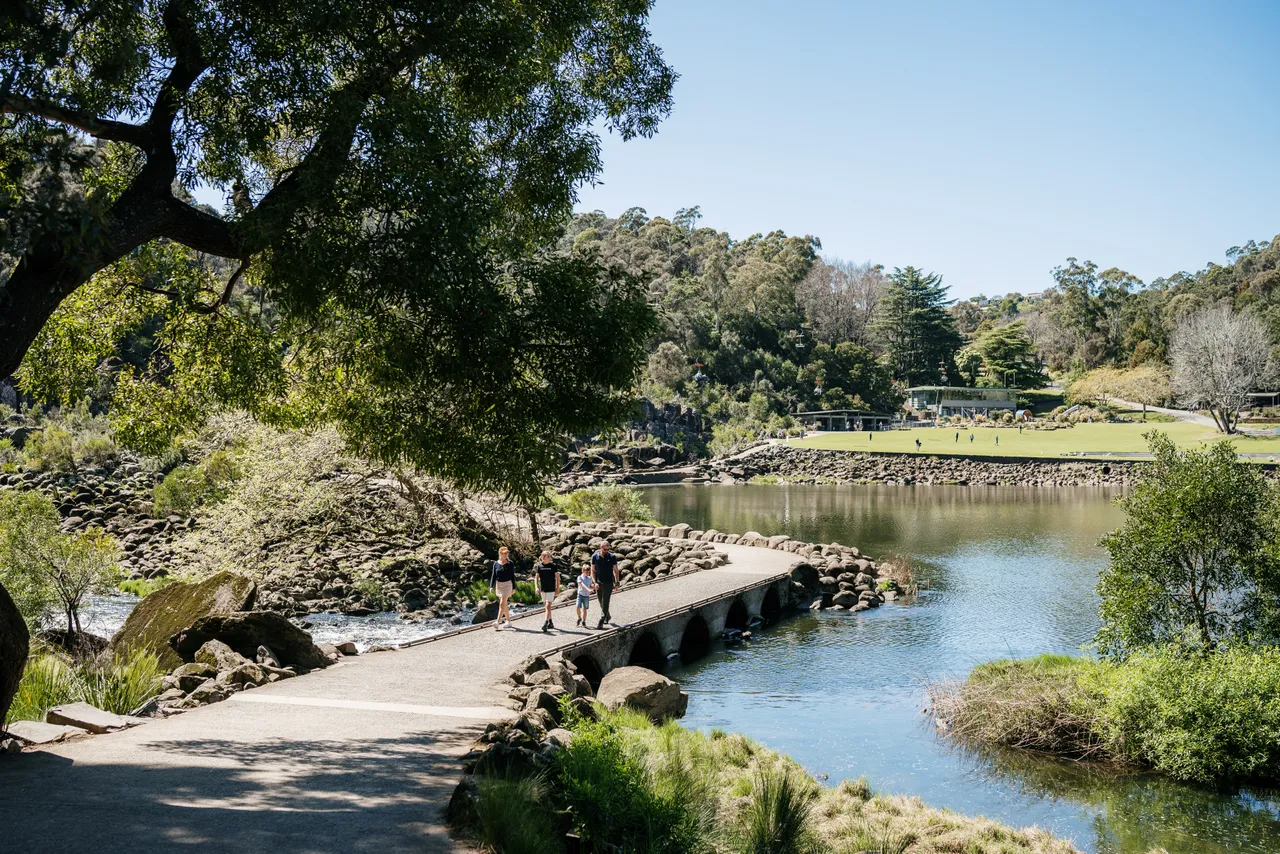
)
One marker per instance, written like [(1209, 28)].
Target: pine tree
[(919, 333)]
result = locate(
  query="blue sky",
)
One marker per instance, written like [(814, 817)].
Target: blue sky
[(985, 141)]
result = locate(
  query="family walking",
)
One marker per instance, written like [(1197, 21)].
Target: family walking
[(601, 578)]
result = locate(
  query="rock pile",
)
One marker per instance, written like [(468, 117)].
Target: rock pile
[(811, 465)]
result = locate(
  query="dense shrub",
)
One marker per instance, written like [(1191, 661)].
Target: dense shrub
[(514, 816), (186, 488), (600, 503), (50, 449), (779, 816), (95, 451), (1193, 716)]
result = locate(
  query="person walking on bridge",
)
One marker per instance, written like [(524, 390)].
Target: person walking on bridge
[(548, 586), (502, 580), (604, 573)]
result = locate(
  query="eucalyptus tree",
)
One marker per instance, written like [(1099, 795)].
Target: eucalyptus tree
[(392, 171)]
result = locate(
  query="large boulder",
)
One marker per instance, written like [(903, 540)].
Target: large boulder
[(245, 632), (14, 641), (171, 609), (644, 690)]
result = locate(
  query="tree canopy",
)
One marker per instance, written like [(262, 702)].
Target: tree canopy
[(393, 174), (920, 335)]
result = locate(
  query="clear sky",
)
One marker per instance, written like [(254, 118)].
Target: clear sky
[(985, 141)]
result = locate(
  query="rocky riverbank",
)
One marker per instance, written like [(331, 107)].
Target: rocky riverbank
[(789, 464)]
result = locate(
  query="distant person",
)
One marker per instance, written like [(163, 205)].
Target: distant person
[(997, 440), (585, 586), (868, 435), (917, 444), (957, 436), (548, 585), (1019, 429), (502, 580), (970, 438), (604, 573)]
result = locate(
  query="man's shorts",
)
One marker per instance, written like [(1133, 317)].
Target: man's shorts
[(548, 596)]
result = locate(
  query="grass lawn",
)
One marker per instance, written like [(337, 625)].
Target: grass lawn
[(1033, 443)]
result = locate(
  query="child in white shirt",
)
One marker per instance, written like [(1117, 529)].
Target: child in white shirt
[(585, 587)]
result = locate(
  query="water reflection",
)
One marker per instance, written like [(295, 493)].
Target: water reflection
[(1009, 572)]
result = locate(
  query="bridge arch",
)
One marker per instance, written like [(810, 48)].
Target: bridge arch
[(739, 616), (589, 668), (771, 607), (696, 640), (648, 652)]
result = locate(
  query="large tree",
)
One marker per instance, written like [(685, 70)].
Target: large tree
[(1219, 356), (392, 172), (918, 332)]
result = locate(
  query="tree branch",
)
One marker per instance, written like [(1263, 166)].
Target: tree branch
[(99, 128)]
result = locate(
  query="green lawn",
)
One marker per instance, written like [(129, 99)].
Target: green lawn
[(1033, 443)]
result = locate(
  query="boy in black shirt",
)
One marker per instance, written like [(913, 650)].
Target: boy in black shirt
[(548, 585)]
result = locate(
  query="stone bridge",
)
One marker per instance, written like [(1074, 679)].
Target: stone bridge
[(686, 632)]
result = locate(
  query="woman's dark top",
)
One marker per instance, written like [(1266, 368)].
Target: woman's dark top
[(502, 572)]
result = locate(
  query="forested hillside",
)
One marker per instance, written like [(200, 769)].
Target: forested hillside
[(754, 328)]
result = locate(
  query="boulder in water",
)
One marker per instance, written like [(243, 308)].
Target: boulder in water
[(171, 609), (245, 632)]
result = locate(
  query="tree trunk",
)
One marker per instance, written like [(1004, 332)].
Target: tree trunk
[(533, 526)]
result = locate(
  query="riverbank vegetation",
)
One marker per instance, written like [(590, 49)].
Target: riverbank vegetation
[(610, 503), (625, 781), (1188, 670)]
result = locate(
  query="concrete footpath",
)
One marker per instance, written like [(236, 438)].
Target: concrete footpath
[(360, 757)]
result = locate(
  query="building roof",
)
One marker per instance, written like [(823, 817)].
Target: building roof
[(846, 412), (955, 388)]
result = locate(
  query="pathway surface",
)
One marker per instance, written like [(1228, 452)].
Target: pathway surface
[(1180, 414), (361, 757)]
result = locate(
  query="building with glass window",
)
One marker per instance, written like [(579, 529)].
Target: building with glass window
[(953, 400)]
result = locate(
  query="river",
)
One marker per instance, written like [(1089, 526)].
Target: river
[(1007, 572)]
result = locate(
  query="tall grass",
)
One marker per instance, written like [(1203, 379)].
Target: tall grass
[(119, 687), (514, 816), (898, 569), (778, 817)]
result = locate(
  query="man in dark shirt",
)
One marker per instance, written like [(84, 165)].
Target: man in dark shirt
[(604, 573)]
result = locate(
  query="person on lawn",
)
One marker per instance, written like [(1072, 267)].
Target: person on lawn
[(548, 585), (604, 573), (585, 586), (502, 580)]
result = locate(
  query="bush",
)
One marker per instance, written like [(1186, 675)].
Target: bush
[(9, 457), (1204, 718), (96, 451), (50, 449), (601, 503), (186, 488), (119, 687), (374, 592)]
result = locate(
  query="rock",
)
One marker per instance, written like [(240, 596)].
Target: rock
[(540, 699), (642, 689), (212, 691), (245, 632), (560, 737), (487, 612), (347, 648), (330, 651), (845, 599), (219, 656), (14, 646), (266, 656), (10, 746), (89, 718), (803, 572), (39, 732), (171, 609), (246, 674)]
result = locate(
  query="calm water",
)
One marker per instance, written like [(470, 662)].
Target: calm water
[(1010, 572)]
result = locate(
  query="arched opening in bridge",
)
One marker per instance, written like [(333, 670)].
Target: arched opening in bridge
[(696, 640), (739, 617), (590, 670), (771, 607), (648, 653)]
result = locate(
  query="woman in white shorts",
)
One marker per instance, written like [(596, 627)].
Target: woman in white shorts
[(502, 580)]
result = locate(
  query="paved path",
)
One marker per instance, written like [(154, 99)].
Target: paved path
[(361, 757), (1180, 414)]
